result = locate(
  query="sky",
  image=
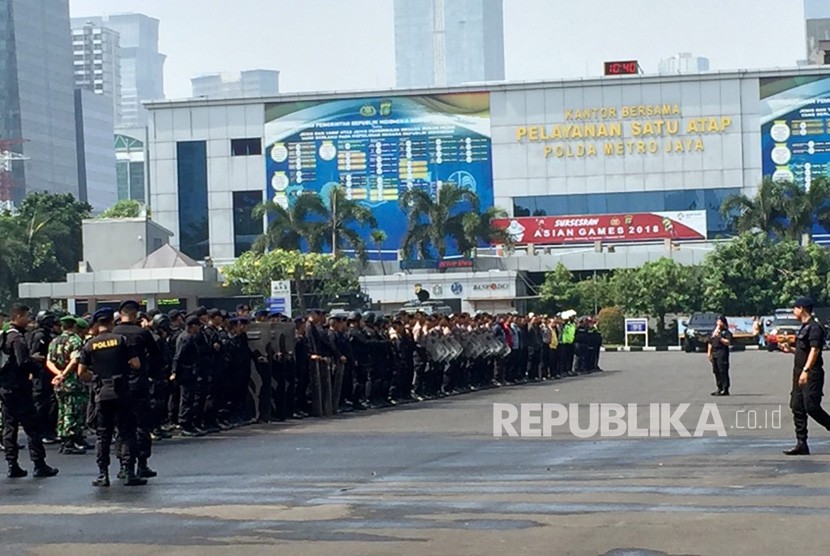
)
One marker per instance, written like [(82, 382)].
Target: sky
[(325, 45)]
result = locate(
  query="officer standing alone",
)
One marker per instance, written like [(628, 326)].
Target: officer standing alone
[(808, 376), (718, 352)]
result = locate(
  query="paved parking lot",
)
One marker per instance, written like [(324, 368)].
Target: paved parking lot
[(431, 478)]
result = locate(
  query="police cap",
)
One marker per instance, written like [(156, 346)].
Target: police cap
[(102, 315), (275, 315), (201, 311), (194, 320), (261, 313), (174, 313), (804, 303), (354, 316), (128, 305), (69, 319)]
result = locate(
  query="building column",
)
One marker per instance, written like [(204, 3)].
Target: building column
[(151, 302), (192, 303), (71, 306), (91, 305), (45, 303)]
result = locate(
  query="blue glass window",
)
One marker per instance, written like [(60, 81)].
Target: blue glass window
[(246, 228), (191, 158)]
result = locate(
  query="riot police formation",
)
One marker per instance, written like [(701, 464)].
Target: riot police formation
[(140, 378)]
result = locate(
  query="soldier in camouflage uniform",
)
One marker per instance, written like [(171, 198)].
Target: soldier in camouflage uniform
[(72, 394)]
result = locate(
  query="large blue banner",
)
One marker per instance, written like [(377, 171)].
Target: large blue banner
[(377, 148), (795, 132)]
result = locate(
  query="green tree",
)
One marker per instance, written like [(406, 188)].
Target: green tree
[(289, 227), (342, 217), (378, 237), (315, 277), (478, 228), (41, 241), (755, 274), (559, 290), (611, 324), (803, 207), (593, 294), (53, 225), (764, 211), (125, 208), (431, 221), (656, 289)]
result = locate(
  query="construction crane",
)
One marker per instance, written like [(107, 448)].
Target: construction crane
[(7, 158)]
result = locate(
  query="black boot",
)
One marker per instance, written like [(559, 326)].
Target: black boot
[(103, 479), (145, 471), (43, 471), (15, 471), (132, 479), (800, 449), (122, 472)]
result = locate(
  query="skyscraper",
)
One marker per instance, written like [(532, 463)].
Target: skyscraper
[(817, 16), (245, 84), (683, 63), (448, 42), (96, 58), (37, 98), (142, 66)]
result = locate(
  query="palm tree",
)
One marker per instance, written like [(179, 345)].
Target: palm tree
[(784, 209), (431, 221), (378, 237), (803, 207), (478, 227), (341, 216), (765, 211), (288, 227)]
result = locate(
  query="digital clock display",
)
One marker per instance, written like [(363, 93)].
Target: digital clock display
[(629, 67)]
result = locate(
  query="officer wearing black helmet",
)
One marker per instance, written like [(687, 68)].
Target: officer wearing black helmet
[(16, 365), (46, 403), (146, 348), (111, 361), (808, 376)]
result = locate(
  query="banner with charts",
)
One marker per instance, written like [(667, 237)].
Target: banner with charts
[(795, 127), (377, 148)]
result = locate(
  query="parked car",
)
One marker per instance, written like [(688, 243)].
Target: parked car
[(698, 329), (783, 329)]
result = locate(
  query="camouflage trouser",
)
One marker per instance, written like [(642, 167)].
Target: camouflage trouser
[(72, 406)]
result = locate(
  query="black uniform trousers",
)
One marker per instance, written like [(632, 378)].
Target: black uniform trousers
[(111, 414), (805, 401), (720, 367), (142, 424), (19, 411), (46, 403), (187, 402)]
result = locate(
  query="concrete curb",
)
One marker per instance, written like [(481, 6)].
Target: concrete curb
[(666, 348)]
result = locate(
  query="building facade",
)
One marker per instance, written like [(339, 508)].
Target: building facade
[(94, 130), (37, 98), (641, 163), (245, 84), (817, 23), (142, 66), (448, 42), (131, 164), (683, 63), (96, 59)]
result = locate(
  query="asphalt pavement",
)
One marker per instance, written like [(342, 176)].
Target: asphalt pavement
[(431, 478)]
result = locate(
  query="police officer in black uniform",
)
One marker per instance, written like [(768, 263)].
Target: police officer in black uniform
[(146, 348), (185, 373), (808, 376), (16, 397), (112, 362), (46, 403), (718, 351)]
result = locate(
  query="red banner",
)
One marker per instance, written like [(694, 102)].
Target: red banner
[(647, 226)]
